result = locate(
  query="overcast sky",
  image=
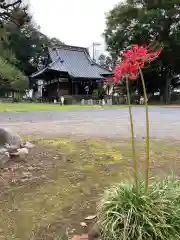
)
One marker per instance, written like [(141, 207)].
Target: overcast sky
[(75, 22)]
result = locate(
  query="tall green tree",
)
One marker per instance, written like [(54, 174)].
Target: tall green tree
[(22, 45), (29, 45), (145, 22), (14, 14)]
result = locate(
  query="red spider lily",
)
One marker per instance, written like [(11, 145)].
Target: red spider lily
[(134, 58), (141, 55), (126, 68), (120, 71)]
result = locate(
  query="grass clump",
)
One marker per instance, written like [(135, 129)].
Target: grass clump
[(154, 215)]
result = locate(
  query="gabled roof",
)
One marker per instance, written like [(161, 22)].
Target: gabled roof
[(75, 61)]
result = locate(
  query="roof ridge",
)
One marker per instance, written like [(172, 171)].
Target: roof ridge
[(58, 57), (72, 48), (88, 57), (68, 47)]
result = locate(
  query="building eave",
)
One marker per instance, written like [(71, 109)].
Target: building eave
[(38, 73)]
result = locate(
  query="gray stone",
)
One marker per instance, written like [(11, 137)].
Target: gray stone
[(11, 144), (82, 101), (9, 138), (91, 101)]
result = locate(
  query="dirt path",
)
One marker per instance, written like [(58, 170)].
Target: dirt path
[(164, 123)]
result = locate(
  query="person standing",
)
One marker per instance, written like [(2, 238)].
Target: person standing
[(86, 89), (62, 100), (141, 100)]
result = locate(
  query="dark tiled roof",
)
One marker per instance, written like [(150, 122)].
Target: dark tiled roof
[(76, 62)]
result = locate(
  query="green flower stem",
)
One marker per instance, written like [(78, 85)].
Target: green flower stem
[(132, 137), (147, 132)]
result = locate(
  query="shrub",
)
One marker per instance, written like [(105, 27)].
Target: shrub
[(125, 215)]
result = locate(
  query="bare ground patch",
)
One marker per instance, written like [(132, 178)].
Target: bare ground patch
[(60, 183)]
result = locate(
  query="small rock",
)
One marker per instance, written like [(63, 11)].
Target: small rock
[(26, 174), (83, 224), (91, 217), (30, 168), (29, 145), (43, 177)]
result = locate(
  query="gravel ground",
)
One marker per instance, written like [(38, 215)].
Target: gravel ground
[(114, 123)]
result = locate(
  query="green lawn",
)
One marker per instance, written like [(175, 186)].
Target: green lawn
[(38, 107), (60, 184)]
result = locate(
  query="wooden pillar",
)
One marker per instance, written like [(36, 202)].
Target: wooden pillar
[(72, 87), (76, 88)]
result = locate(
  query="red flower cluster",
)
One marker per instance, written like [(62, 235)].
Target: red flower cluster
[(132, 60)]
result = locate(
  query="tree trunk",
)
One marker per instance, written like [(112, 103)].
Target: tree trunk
[(167, 95)]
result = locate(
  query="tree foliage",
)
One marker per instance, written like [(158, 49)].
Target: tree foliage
[(147, 22), (29, 45), (22, 45), (106, 61), (11, 77), (13, 11), (11, 14)]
